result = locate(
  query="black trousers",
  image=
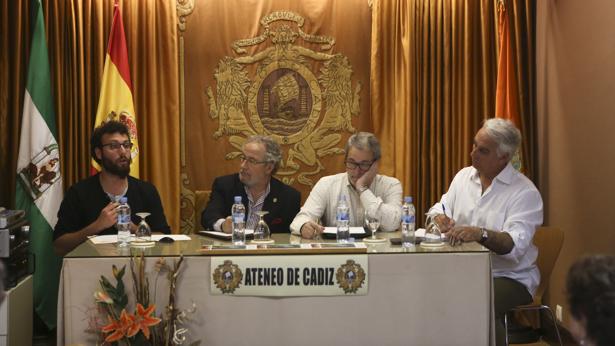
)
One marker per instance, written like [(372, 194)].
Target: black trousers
[(508, 293)]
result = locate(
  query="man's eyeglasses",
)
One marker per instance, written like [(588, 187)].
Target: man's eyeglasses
[(250, 160), (117, 145), (363, 165)]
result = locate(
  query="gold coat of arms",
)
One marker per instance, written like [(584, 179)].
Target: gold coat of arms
[(303, 98)]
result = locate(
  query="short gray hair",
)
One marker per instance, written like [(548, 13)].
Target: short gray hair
[(505, 134), (364, 141), (273, 152)]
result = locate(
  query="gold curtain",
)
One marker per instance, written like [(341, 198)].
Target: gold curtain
[(77, 34), (14, 49), (433, 76)]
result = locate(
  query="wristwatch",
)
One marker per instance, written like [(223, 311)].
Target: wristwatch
[(484, 235)]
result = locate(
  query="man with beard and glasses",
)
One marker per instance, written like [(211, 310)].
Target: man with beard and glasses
[(366, 191), (259, 190), (90, 206)]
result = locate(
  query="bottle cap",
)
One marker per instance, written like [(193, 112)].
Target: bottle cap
[(408, 199), (237, 199), (124, 200)]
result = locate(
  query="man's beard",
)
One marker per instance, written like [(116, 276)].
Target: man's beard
[(115, 169)]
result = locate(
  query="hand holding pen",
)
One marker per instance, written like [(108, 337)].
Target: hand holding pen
[(444, 222)]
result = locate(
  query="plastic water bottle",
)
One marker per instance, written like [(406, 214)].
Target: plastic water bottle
[(123, 222), (342, 218), (407, 223), (238, 214)]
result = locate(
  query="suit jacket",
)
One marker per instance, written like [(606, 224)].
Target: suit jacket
[(282, 203)]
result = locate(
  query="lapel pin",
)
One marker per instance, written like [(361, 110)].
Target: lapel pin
[(275, 200)]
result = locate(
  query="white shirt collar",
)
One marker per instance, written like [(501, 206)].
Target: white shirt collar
[(505, 176)]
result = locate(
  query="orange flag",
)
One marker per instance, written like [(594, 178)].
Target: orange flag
[(506, 96), (115, 102)]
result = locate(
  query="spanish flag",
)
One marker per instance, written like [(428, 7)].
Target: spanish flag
[(115, 102)]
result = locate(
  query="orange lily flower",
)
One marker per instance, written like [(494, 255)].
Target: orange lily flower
[(144, 320), (121, 328)]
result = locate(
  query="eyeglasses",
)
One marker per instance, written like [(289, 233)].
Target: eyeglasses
[(117, 145), (250, 160), (363, 165)]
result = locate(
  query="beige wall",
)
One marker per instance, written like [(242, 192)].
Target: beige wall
[(576, 112)]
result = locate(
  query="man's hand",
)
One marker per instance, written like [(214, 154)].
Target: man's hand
[(444, 222), (227, 225), (367, 177), (107, 217), (311, 229), (460, 234)]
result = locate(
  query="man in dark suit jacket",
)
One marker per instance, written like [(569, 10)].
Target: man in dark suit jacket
[(258, 188)]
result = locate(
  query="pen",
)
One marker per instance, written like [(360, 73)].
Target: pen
[(443, 209)]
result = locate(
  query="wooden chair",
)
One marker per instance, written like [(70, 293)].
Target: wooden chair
[(549, 242), (201, 199)]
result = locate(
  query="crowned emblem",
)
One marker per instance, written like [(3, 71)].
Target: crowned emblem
[(41, 172), (350, 276), (125, 118), (227, 277), (301, 97)]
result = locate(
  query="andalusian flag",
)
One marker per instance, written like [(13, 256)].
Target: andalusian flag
[(506, 95), (115, 102), (39, 184)]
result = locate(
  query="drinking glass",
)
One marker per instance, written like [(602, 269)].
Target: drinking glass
[(373, 223), (261, 231), (432, 231), (144, 232)]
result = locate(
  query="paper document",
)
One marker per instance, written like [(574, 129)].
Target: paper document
[(110, 239), (222, 235), (157, 237), (353, 230), (419, 232)]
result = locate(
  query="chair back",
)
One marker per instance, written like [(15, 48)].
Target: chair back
[(549, 242), (201, 199)]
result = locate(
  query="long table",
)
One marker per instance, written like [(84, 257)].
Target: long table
[(423, 296)]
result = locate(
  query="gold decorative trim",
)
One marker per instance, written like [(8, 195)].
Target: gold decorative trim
[(184, 9), (187, 197)]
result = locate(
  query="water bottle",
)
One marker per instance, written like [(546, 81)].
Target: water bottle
[(123, 222), (342, 218), (238, 214), (407, 223)]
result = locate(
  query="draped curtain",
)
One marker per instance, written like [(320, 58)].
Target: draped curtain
[(433, 79), (77, 34)]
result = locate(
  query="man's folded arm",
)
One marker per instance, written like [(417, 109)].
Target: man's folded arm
[(70, 240), (313, 209)]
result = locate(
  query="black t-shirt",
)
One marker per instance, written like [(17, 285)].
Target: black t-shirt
[(84, 200)]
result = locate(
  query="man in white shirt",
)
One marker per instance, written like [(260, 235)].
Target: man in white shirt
[(365, 191), (495, 205)]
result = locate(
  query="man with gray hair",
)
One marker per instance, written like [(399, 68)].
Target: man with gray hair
[(260, 191), (366, 191), (493, 204)]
